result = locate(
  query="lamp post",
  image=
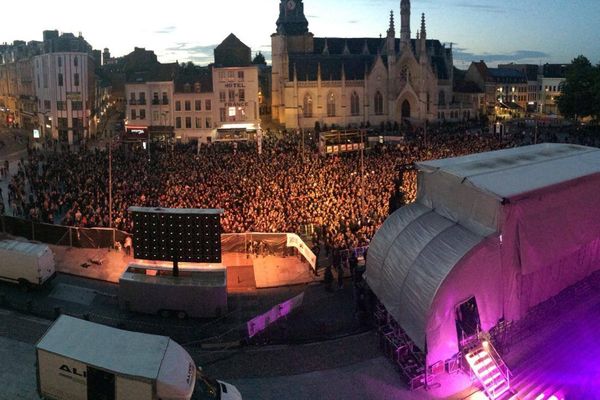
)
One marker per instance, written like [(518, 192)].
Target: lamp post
[(362, 173), (301, 131)]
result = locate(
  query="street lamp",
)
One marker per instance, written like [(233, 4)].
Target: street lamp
[(300, 130)]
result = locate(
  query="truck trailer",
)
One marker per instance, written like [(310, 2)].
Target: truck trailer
[(82, 360), (26, 264)]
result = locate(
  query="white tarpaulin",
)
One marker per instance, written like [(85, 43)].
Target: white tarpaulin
[(511, 228), (414, 251)]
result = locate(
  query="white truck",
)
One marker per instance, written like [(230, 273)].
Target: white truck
[(82, 360), (27, 264)]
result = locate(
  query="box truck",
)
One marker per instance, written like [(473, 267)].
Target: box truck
[(82, 360), (27, 264)]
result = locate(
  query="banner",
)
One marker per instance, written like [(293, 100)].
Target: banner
[(261, 322), (294, 240)]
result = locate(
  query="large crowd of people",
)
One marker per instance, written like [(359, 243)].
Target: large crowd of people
[(275, 191)]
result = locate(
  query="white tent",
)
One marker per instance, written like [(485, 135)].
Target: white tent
[(511, 228)]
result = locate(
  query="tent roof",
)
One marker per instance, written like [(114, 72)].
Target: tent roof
[(409, 258), (508, 173)]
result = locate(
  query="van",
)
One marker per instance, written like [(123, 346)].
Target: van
[(26, 264)]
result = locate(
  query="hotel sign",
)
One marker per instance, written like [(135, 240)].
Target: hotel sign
[(74, 96)]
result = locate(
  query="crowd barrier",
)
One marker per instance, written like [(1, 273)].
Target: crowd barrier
[(62, 235), (277, 244)]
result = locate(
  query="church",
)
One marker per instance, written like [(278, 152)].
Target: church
[(353, 82)]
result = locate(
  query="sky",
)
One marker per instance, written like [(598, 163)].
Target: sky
[(520, 31)]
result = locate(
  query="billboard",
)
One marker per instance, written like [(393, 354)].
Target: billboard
[(136, 132)]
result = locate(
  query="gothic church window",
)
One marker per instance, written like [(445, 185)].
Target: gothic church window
[(331, 105), (354, 104), (378, 103), (442, 98), (308, 106)]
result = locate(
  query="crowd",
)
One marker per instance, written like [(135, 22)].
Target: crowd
[(276, 191)]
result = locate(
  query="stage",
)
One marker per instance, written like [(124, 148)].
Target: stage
[(245, 272)]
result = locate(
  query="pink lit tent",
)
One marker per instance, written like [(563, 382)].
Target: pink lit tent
[(511, 228)]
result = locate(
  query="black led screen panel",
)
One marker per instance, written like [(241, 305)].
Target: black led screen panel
[(185, 235)]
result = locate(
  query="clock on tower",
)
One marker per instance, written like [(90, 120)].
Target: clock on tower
[(291, 4)]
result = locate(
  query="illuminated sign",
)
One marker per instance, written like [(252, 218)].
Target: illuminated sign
[(74, 96), (36, 133), (136, 132)]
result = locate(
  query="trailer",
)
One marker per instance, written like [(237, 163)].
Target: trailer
[(82, 360), (198, 291), (26, 264)]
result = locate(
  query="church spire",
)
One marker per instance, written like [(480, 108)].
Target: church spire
[(423, 30), (391, 30), (405, 22)]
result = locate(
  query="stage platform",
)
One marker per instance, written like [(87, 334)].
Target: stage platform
[(244, 272)]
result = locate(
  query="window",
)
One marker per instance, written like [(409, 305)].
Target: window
[(242, 94), (221, 76), (76, 105), (331, 105), (59, 61), (207, 123), (198, 105), (47, 104), (142, 98), (308, 106), (77, 123), (442, 98), (378, 103), (354, 104), (222, 114), (230, 75), (222, 97), (231, 111), (207, 105), (188, 122), (60, 79), (188, 105), (61, 105), (133, 114), (198, 123), (76, 79), (241, 75), (154, 115), (63, 123), (231, 95), (165, 99), (178, 122), (178, 105), (75, 61), (142, 114), (155, 98)]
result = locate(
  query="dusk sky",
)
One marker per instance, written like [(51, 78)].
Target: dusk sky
[(533, 31)]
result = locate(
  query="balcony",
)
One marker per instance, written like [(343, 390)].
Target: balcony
[(165, 101), (155, 102), (141, 102), (133, 102)]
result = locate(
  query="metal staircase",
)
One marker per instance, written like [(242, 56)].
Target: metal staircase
[(490, 370)]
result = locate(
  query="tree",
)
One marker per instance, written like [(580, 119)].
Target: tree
[(259, 59), (578, 98)]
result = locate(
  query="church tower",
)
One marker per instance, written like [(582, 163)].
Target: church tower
[(292, 36), (291, 21), (405, 23)]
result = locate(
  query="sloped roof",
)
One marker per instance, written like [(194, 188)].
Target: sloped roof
[(512, 172), (355, 54)]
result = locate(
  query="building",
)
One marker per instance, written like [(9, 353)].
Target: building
[(65, 87), (551, 81), (359, 81), (531, 72), (18, 103), (505, 89), (190, 102)]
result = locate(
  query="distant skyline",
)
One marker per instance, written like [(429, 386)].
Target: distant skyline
[(532, 31)]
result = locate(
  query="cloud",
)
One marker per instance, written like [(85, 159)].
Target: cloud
[(494, 58), (482, 7), (353, 21), (166, 29)]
